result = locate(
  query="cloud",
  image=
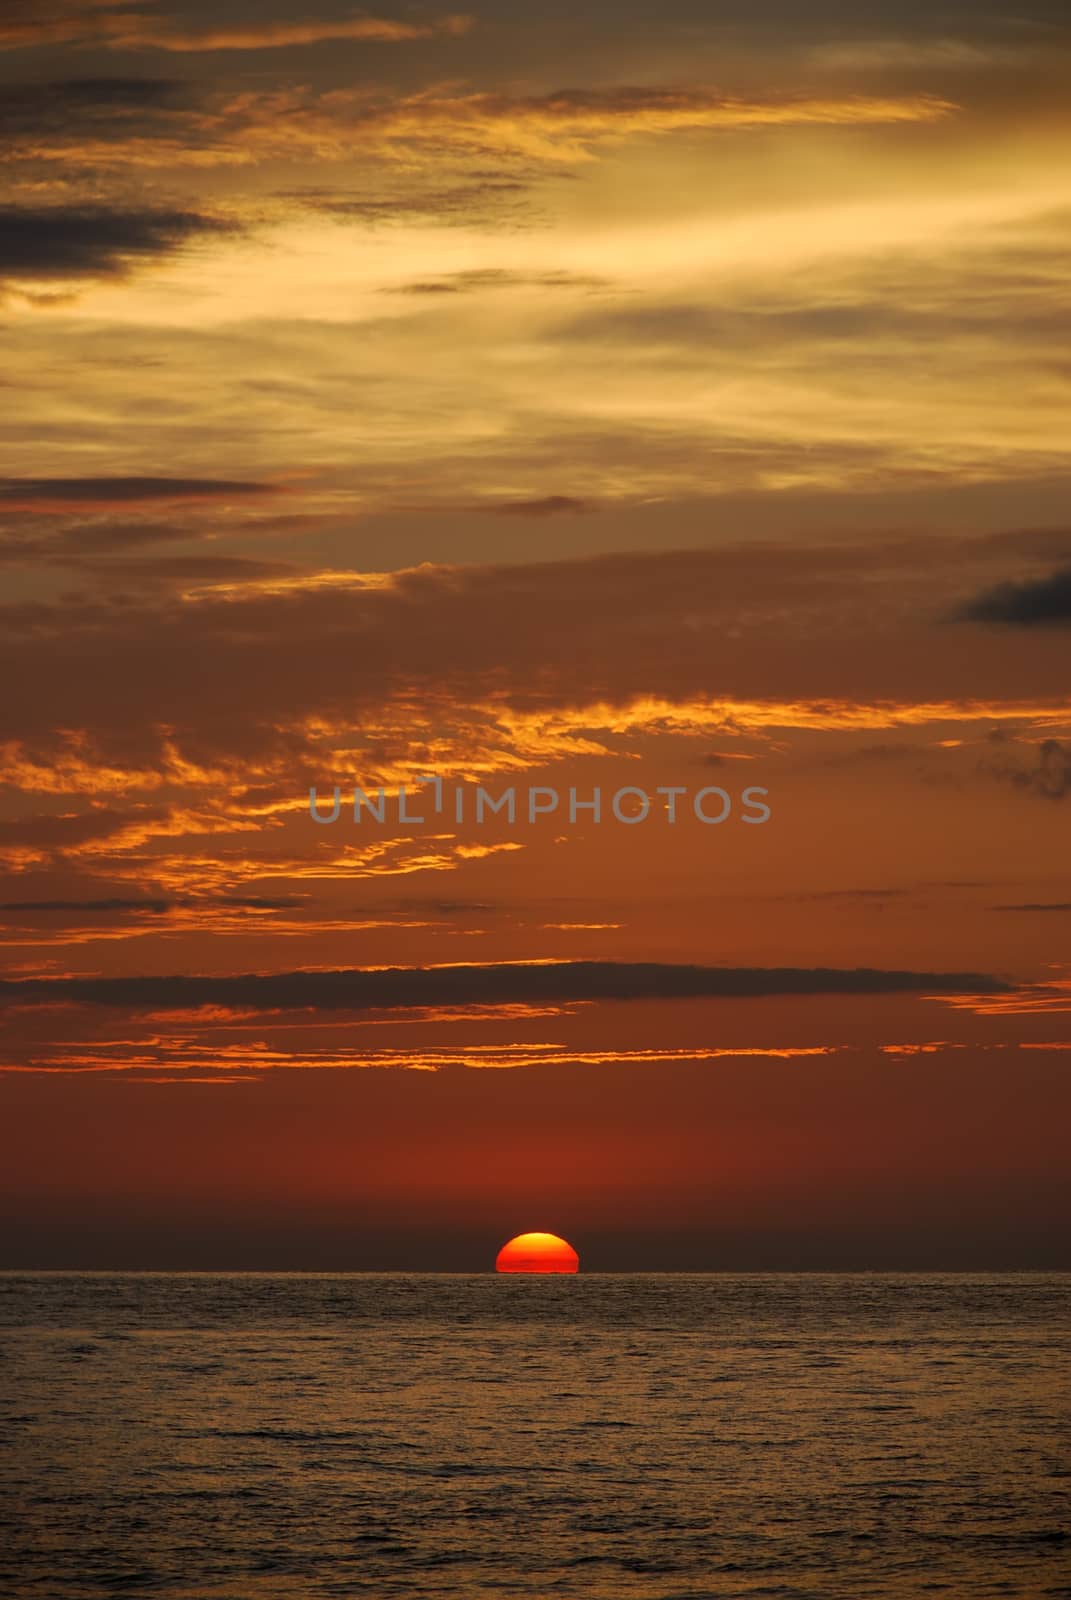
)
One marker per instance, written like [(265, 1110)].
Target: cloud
[(29, 110), (45, 833), (514, 665), (1051, 774), (401, 988), (181, 569), (477, 278), (1036, 905), (93, 241), (551, 132), (44, 22), (548, 505), (142, 904), (185, 1058), (140, 34), (480, 195), (849, 894), (94, 123), (564, 125), (65, 495), (1036, 602), (536, 507), (105, 22)]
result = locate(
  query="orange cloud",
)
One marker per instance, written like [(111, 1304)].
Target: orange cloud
[(184, 1057), (301, 124), (276, 35), (44, 22), (106, 22), (563, 124)]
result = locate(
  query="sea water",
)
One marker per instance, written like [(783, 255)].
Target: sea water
[(247, 1436)]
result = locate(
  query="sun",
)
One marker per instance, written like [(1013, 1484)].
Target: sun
[(537, 1252)]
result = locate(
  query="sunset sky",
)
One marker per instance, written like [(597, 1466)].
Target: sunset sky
[(565, 397)]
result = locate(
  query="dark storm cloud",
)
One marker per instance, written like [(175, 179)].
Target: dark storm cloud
[(1037, 602), (402, 988), (94, 241)]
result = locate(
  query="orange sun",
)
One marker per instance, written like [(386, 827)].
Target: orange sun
[(537, 1252)]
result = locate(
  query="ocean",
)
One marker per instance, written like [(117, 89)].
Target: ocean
[(647, 1437)]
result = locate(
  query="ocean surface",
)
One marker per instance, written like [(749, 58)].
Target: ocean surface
[(292, 1436)]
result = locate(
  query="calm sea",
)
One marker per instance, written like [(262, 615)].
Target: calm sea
[(290, 1436)]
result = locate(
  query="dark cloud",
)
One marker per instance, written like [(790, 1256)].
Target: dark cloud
[(496, 278), (69, 493), (141, 32), (1036, 905), (480, 194), (852, 894), (114, 904), (1050, 776), (437, 906), (402, 988), (98, 537), (94, 241), (1037, 602), (171, 569), (114, 25), (230, 669), (94, 105), (549, 505), (69, 831), (140, 904), (44, 22), (866, 754), (105, 545)]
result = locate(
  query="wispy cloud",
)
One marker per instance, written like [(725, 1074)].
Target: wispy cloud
[(187, 1060), (279, 35), (113, 24), (566, 125), (299, 123)]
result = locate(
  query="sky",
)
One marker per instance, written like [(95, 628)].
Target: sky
[(665, 401)]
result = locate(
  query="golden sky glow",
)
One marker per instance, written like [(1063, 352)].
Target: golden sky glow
[(644, 396)]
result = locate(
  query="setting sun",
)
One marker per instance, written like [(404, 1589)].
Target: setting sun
[(537, 1252)]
